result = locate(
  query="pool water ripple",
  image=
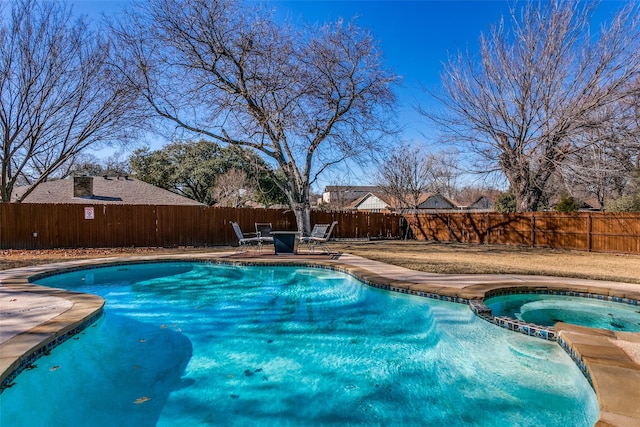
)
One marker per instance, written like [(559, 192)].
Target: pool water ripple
[(199, 344)]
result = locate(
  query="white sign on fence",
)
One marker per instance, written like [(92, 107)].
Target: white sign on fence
[(89, 213)]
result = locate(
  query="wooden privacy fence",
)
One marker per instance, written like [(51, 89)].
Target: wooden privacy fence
[(597, 232), (47, 226)]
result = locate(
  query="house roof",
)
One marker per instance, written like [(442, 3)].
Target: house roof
[(393, 202), (352, 188), (591, 203), (427, 196), (360, 200), (106, 190)]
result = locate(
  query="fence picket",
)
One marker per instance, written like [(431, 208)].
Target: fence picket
[(585, 231), (48, 226)]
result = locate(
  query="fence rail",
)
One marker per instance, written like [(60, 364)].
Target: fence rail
[(47, 226), (594, 232)]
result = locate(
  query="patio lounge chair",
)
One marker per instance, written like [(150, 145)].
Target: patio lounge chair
[(244, 242), (319, 236), (263, 229)]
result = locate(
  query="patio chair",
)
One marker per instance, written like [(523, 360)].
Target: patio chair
[(245, 242), (263, 229), (319, 236)]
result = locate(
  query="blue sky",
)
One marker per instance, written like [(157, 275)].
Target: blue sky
[(416, 38)]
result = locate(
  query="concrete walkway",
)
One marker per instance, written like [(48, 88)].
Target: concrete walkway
[(33, 317)]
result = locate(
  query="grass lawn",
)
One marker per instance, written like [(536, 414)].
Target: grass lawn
[(423, 256), (462, 258)]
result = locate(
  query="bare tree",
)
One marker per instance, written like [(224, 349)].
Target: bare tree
[(408, 173), (116, 164), (536, 87), (443, 172), (232, 189), (404, 177), (58, 95), (305, 100), (468, 195), (602, 165)]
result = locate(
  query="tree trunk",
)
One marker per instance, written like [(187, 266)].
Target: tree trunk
[(298, 195), (528, 196), (302, 211), (528, 199)]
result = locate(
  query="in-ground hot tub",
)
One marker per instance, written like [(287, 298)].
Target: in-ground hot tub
[(547, 310)]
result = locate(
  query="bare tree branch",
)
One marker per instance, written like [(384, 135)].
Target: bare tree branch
[(535, 89), (228, 71), (409, 173), (58, 94)]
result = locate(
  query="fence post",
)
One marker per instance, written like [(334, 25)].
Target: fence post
[(589, 232), (533, 230), (488, 228)]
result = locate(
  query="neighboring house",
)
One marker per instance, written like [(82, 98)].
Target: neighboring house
[(591, 205), (102, 190), (371, 202), (435, 201), (343, 195), (483, 203), (372, 199)]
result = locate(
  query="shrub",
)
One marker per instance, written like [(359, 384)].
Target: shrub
[(505, 202), (567, 204), (625, 204)]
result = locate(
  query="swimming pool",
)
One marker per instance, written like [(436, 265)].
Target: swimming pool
[(196, 344), (547, 310)]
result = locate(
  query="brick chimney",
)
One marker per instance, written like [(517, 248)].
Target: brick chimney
[(82, 186)]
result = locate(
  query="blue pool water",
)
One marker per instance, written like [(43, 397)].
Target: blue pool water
[(192, 344), (547, 310)]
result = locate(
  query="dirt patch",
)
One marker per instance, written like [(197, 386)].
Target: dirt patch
[(459, 258), (422, 256), (23, 258)]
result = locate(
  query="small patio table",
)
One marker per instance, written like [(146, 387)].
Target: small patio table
[(285, 242)]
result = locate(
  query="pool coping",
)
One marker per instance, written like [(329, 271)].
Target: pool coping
[(608, 358)]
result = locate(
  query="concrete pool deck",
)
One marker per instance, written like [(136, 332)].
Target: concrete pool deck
[(33, 316)]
